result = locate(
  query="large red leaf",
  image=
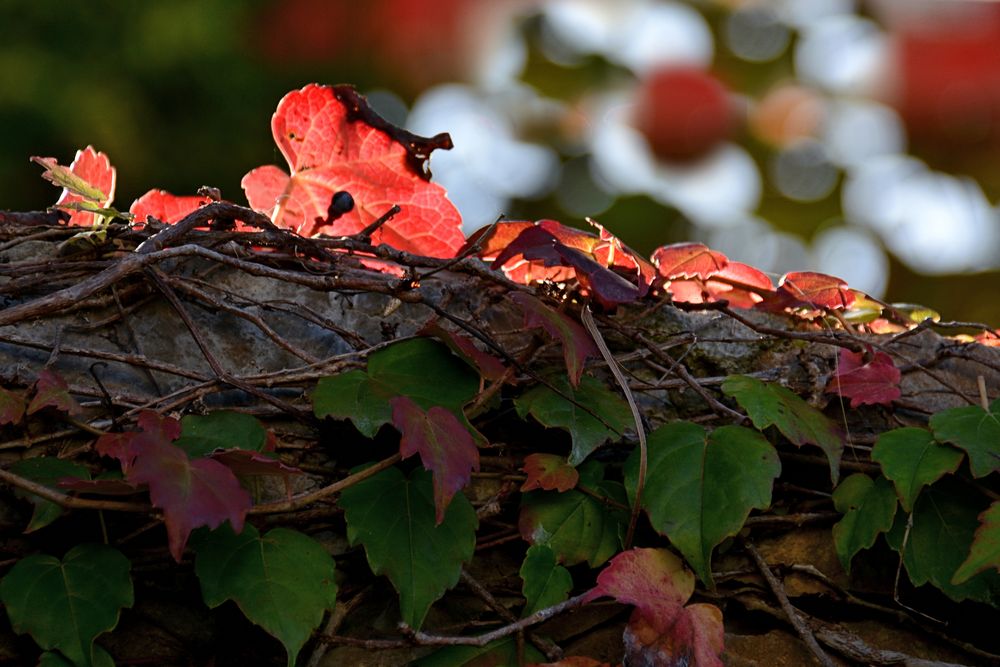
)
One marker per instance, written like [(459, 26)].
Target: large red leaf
[(548, 472), (872, 383), (817, 290), (688, 260), (165, 207), (89, 178), (445, 446), (51, 391), (333, 143), (662, 630), (577, 344)]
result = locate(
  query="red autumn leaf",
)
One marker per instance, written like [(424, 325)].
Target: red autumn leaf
[(817, 290), (739, 284), (872, 383), (246, 462), (152, 426), (989, 338), (689, 291), (488, 366), (165, 207), (661, 629), (445, 446), (577, 344), (489, 241), (334, 143), (611, 252), (688, 260), (11, 407), (51, 391), (548, 472), (90, 178)]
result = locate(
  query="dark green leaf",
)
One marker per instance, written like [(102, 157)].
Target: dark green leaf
[(587, 431), (65, 604), (545, 582), (976, 431), (392, 515), (283, 581), (222, 429), (46, 470), (577, 527), (912, 459), (769, 404), (51, 659), (700, 488), (985, 552), (868, 508)]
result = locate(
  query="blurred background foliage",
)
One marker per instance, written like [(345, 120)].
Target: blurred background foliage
[(855, 137)]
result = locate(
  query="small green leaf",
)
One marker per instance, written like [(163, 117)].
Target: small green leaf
[(700, 488), (46, 470), (65, 604), (64, 177), (283, 581), (421, 369), (944, 523), (222, 429), (587, 432), (499, 653), (51, 659), (392, 515), (577, 527), (868, 508), (976, 431), (912, 459), (545, 582), (769, 404), (985, 552)]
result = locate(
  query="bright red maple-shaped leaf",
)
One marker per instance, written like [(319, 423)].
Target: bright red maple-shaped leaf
[(165, 207), (816, 290), (90, 178), (548, 472), (335, 143), (51, 391), (661, 629), (445, 446), (872, 383), (739, 284), (577, 344), (679, 261), (11, 407)]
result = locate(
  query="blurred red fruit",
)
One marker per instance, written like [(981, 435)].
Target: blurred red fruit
[(683, 112)]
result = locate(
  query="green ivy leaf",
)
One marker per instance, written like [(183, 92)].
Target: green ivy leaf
[(47, 470), (944, 523), (283, 581), (912, 459), (587, 432), (976, 431), (496, 653), (51, 659), (868, 507), (545, 582), (65, 604), (769, 404), (700, 488), (221, 429), (421, 369), (392, 515), (985, 552)]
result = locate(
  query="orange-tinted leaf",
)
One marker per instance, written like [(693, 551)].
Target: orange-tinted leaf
[(688, 291), (11, 407), (872, 383), (548, 472), (739, 284), (165, 207), (334, 143), (696, 639), (492, 239), (576, 342), (688, 260), (488, 366), (90, 178), (445, 446), (51, 391), (817, 290)]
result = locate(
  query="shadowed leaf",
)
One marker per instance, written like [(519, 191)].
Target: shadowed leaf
[(868, 507)]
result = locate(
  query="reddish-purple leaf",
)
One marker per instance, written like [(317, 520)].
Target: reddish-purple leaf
[(246, 462), (576, 342), (334, 143), (872, 383), (488, 366), (662, 630), (165, 207), (11, 407), (817, 290), (548, 472), (51, 391), (445, 446), (90, 178), (152, 426), (103, 487), (688, 260)]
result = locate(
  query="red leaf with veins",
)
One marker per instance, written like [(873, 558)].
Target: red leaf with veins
[(94, 179), (51, 391), (548, 472), (688, 260), (445, 446), (334, 142), (577, 344), (165, 207), (817, 290), (737, 283), (872, 383), (661, 630)]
